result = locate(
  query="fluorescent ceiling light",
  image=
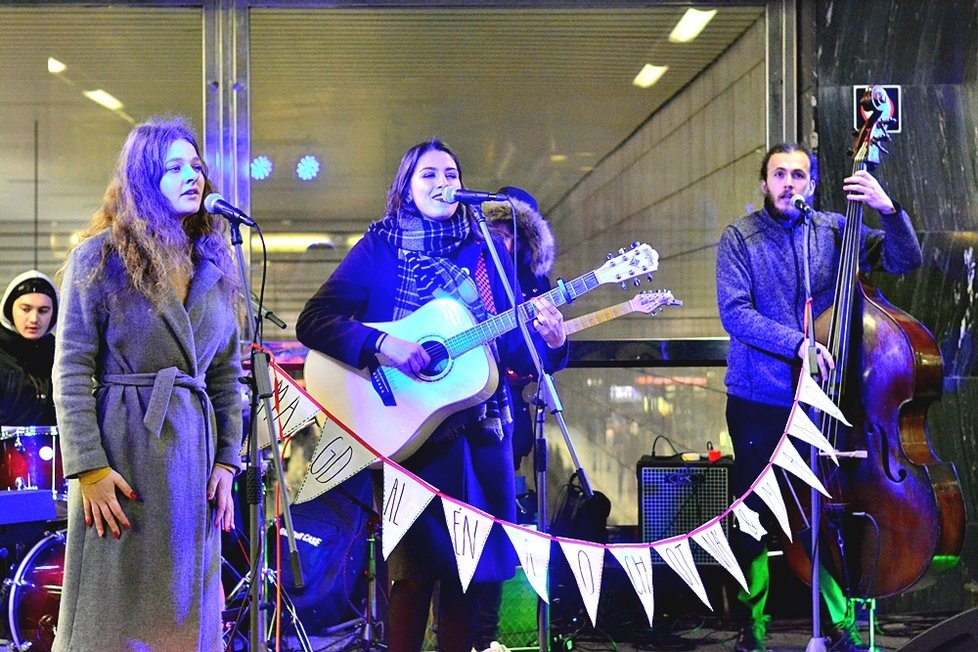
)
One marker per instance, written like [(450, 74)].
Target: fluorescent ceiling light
[(105, 99), (690, 25), (649, 75), (55, 66), (296, 243)]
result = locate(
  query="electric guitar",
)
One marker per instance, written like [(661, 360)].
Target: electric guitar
[(650, 302), (395, 412)]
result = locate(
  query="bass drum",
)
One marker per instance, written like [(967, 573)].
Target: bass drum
[(35, 595)]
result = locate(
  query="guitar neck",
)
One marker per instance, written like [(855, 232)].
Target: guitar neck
[(598, 317), (490, 329)]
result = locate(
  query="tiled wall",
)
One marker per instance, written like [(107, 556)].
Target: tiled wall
[(675, 184)]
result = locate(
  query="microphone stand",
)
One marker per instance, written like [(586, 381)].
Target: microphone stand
[(816, 643), (547, 393), (260, 386)]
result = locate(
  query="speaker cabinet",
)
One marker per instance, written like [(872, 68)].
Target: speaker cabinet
[(676, 497)]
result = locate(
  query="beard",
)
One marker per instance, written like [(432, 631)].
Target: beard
[(772, 209)]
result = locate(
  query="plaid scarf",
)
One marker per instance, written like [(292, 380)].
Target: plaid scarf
[(425, 252)]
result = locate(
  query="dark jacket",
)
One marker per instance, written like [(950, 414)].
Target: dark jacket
[(25, 368)]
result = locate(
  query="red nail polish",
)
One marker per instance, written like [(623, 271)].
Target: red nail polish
[(88, 522), (117, 534), (126, 525), (132, 495)]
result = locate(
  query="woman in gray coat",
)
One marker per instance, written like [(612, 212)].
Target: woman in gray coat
[(146, 389)]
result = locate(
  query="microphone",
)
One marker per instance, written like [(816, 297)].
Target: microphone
[(451, 194), (216, 204), (265, 313), (799, 202)]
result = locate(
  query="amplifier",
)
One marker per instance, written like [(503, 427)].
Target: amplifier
[(676, 497)]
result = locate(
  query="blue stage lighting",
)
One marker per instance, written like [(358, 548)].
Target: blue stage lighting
[(307, 168), (261, 168)]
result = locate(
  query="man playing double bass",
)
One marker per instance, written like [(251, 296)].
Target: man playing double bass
[(761, 297)]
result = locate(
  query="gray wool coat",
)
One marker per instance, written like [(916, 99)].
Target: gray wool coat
[(166, 407)]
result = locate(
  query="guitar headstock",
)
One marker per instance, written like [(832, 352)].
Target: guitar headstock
[(640, 259), (651, 302), (877, 112)]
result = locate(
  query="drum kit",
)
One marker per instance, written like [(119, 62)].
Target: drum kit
[(32, 475)]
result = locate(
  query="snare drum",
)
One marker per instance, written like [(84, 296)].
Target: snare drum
[(35, 595), (31, 459)]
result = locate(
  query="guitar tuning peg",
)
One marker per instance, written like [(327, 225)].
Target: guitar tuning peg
[(621, 251), (635, 244), (637, 282), (624, 285), (649, 278), (610, 256)]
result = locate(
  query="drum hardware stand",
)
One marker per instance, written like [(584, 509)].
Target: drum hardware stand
[(261, 390), (547, 393)]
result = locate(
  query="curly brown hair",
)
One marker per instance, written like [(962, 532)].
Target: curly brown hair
[(154, 248)]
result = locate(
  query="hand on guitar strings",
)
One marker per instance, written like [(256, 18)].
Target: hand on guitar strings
[(549, 322), (407, 357)]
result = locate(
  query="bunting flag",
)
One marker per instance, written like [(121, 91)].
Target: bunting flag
[(801, 427), (677, 554), (748, 520), (637, 562), (405, 497), (341, 453), (468, 529), (767, 488), (292, 407), (338, 456), (586, 561), (712, 539), (810, 393), (788, 458), (533, 550)]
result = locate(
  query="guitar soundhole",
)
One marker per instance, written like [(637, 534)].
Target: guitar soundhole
[(440, 361)]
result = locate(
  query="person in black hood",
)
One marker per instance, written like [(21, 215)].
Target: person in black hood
[(29, 310)]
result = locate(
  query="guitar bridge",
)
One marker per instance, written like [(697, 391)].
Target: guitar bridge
[(382, 386)]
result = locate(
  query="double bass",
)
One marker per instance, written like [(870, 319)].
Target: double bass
[(896, 515)]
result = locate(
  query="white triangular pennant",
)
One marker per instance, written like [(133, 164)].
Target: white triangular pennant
[(586, 561), (468, 530), (801, 427), (712, 539), (533, 551), (338, 456), (295, 410), (637, 562), (809, 392), (677, 554), (749, 520), (789, 459), (767, 488), (404, 500)]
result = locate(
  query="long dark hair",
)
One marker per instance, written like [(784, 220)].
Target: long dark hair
[(397, 194)]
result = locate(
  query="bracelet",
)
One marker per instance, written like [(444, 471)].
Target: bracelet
[(380, 340)]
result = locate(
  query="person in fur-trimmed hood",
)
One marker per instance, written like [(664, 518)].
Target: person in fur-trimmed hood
[(535, 246)]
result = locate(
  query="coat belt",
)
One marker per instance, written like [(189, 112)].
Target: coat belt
[(162, 382)]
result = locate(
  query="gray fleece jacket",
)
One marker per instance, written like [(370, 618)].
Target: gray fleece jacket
[(761, 290)]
